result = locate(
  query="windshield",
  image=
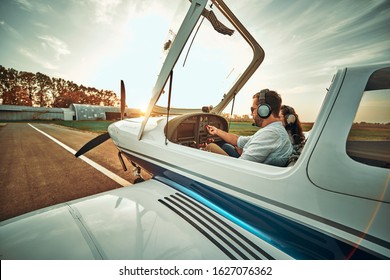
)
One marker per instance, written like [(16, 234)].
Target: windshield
[(208, 66)]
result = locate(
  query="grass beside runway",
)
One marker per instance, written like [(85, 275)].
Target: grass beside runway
[(93, 126), (246, 128)]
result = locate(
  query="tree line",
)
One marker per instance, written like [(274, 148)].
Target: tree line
[(39, 90)]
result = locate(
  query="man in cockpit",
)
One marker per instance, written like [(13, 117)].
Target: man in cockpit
[(270, 144)]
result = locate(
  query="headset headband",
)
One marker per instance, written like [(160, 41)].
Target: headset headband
[(263, 92), (289, 109)]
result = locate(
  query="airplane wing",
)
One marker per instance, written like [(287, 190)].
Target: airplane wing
[(135, 222)]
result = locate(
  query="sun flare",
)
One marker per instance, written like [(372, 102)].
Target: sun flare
[(143, 108)]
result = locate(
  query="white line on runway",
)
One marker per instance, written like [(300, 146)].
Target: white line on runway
[(98, 167)]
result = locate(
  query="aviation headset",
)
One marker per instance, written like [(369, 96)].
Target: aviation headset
[(264, 110), (290, 117)]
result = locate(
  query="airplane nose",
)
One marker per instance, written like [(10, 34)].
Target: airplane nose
[(113, 131)]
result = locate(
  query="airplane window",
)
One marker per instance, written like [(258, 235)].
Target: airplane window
[(369, 138)]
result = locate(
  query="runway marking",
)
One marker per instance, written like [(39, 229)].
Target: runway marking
[(98, 167)]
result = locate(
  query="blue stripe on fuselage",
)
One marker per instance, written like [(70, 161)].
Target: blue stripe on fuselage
[(294, 239)]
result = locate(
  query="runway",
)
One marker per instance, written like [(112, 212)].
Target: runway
[(38, 168)]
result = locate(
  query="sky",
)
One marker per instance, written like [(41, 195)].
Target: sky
[(99, 42)]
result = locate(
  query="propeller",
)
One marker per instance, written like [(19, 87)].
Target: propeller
[(93, 143), (105, 136), (123, 99)]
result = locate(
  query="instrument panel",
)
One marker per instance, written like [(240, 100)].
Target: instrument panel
[(190, 129)]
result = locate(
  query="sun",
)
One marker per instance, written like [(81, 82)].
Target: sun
[(143, 108)]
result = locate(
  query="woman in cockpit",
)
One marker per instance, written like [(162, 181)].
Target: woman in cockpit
[(293, 125)]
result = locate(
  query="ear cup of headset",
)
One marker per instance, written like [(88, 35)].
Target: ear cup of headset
[(264, 111), (291, 119)]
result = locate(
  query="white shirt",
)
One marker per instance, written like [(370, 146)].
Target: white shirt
[(270, 145)]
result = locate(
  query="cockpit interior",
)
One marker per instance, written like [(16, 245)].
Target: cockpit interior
[(190, 129)]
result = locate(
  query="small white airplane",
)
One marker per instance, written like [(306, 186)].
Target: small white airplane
[(331, 204)]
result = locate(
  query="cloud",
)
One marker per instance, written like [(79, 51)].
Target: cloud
[(33, 6), (59, 47), (51, 47), (25, 5), (105, 10), (35, 58), (108, 11), (10, 30), (41, 25)]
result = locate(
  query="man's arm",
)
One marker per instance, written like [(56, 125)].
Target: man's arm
[(227, 137)]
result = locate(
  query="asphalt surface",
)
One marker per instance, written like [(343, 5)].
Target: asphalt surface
[(36, 172)]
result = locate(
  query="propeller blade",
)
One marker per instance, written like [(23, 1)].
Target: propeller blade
[(93, 143), (123, 99)]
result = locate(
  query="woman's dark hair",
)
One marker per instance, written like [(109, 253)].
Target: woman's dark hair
[(292, 124)]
